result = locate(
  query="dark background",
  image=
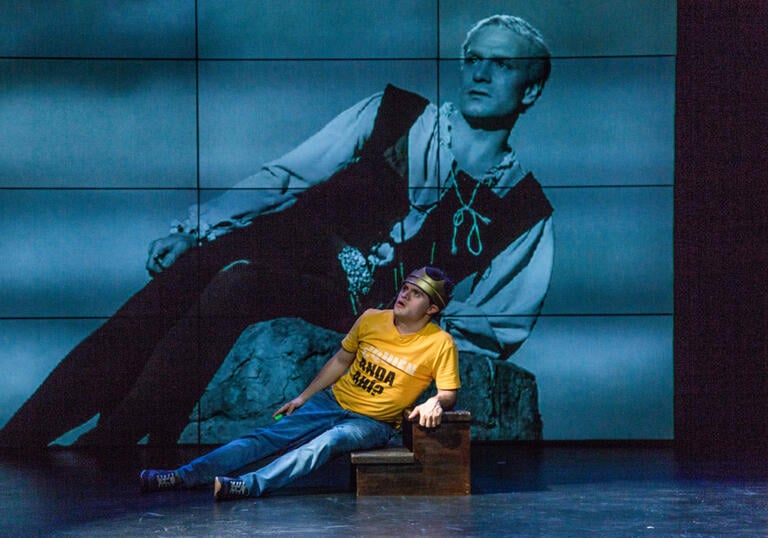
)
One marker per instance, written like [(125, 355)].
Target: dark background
[(721, 256)]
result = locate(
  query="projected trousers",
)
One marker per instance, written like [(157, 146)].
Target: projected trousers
[(145, 368)]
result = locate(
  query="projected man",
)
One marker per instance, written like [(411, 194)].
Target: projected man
[(322, 233)]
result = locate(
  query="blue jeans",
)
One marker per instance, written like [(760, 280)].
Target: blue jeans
[(315, 432)]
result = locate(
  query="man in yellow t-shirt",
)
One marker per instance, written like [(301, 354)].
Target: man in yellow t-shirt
[(391, 369), (386, 361)]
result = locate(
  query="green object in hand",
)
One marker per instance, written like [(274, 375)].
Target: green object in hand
[(278, 417)]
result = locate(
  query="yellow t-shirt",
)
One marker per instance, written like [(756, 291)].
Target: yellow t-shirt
[(390, 369)]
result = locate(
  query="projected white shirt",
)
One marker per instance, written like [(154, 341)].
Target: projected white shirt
[(491, 316)]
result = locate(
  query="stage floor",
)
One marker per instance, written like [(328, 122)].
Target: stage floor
[(516, 490)]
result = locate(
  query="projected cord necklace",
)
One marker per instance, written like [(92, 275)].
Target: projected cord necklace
[(474, 242)]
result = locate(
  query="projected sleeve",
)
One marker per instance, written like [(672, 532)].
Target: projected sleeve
[(494, 316), (274, 187)]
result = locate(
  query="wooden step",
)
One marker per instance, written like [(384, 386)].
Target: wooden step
[(396, 455), (431, 462)]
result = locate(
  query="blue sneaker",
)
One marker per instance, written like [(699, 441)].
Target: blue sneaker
[(158, 480), (229, 488)]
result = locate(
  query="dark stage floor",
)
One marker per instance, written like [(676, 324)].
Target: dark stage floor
[(517, 490)]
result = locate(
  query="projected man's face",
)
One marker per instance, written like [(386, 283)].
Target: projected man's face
[(494, 77)]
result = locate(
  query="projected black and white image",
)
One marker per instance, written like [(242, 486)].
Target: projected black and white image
[(191, 224)]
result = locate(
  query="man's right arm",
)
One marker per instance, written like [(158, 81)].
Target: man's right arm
[(329, 374), (276, 185), (163, 252)]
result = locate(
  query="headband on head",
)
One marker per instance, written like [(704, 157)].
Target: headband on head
[(435, 289)]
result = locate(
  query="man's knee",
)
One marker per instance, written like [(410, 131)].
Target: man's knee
[(230, 286), (234, 264)]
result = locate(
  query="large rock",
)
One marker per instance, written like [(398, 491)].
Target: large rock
[(503, 399), (273, 361)]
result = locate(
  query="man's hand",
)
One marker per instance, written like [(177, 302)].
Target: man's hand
[(327, 376), (289, 407), (163, 252), (429, 413)]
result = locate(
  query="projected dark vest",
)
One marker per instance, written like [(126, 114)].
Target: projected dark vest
[(358, 207)]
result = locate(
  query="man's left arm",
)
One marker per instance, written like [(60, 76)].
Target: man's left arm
[(430, 413), (496, 315)]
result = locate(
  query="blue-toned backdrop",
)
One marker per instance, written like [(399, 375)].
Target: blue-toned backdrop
[(113, 126)]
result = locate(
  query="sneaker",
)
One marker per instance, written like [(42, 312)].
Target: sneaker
[(158, 480), (229, 488)]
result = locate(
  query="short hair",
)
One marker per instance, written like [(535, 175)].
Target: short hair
[(539, 65), (440, 275)]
